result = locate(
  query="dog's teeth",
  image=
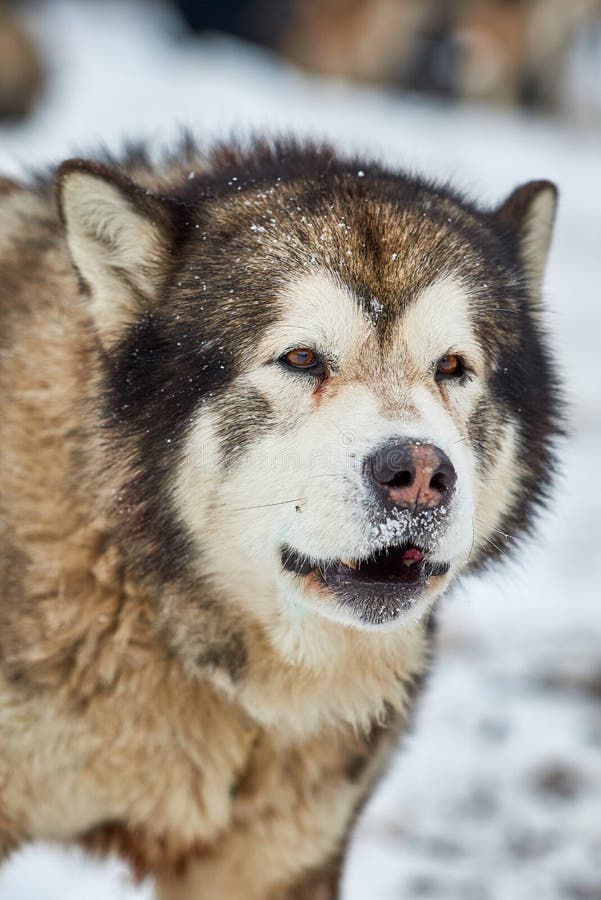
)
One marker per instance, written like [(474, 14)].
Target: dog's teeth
[(350, 564)]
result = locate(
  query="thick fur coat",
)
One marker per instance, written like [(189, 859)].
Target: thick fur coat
[(172, 685)]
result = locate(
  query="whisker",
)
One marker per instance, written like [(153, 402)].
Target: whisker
[(288, 558), (496, 546), (508, 537), (265, 505), (492, 544), (485, 539), (473, 539)]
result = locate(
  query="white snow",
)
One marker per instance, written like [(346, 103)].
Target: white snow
[(497, 793)]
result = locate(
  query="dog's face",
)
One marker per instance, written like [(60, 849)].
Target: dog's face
[(349, 483), (331, 381)]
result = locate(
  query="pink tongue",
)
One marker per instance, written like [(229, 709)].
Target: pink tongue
[(412, 555)]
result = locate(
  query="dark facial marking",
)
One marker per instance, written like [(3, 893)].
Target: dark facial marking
[(244, 417), (156, 378)]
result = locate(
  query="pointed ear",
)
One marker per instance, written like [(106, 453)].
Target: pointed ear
[(118, 236), (530, 213)]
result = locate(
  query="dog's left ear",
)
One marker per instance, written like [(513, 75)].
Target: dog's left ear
[(119, 236), (529, 212)]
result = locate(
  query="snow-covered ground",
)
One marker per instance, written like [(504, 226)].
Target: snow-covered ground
[(497, 793)]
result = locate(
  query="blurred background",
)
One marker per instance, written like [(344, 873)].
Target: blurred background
[(535, 54), (497, 793)]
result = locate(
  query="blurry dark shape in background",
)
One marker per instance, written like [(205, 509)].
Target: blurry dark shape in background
[(540, 54), (21, 69), (505, 51)]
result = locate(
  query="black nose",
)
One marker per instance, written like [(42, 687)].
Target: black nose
[(412, 475)]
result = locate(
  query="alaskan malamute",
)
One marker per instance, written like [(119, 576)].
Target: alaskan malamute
[(259, 410)]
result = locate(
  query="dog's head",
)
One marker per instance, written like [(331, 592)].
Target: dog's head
[(331, 379)]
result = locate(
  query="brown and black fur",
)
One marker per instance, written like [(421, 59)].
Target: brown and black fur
[(142, 710)]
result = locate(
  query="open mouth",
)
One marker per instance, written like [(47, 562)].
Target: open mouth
[(380, 586)]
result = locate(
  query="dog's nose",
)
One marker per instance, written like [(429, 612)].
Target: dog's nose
[(412, 475)]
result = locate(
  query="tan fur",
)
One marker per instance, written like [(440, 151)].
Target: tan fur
[(104, 737), (213, 734)]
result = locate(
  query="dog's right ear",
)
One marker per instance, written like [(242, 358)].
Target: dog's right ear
[(119, 238)]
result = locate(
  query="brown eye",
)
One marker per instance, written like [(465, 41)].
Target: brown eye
[(300, 358), (450, 366)]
